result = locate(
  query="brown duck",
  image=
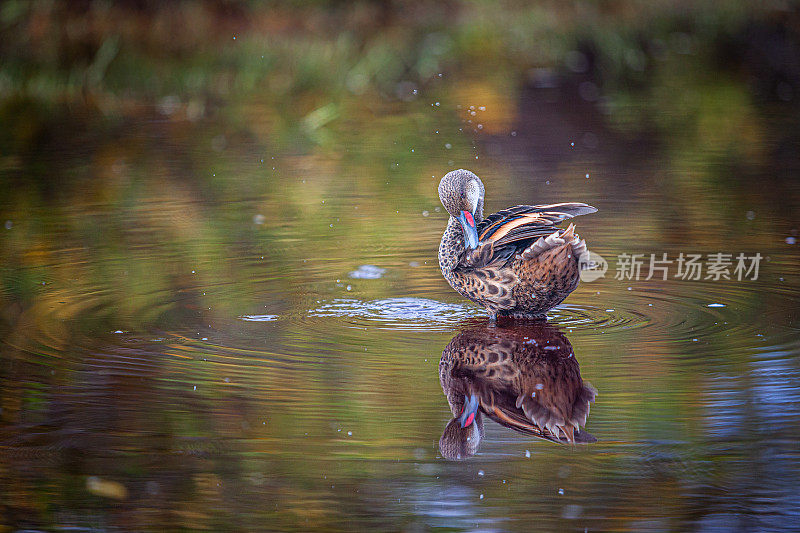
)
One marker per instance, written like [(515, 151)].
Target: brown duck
[(514, 262), (524, 377)]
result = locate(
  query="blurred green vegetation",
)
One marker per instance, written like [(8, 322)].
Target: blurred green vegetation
[(117, 104), (167, 167)]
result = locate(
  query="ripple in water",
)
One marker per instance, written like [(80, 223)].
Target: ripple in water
[(398, 313), (596, 319), (710, 313)]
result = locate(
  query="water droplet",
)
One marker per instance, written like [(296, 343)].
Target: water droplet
[(716, 305), (480, 473), (561, 491), (528, 454)]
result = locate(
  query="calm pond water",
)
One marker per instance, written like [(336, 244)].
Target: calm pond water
[(208, 325)]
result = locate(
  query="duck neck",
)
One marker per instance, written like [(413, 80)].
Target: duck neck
[(452, 246)]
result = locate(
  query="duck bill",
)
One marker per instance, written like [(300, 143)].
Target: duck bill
[(470, 411), (467, 222)]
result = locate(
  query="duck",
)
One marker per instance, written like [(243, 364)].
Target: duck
[(515, 262), (523, 376)]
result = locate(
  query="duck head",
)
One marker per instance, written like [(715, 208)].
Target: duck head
[(462, 435), (461, 193)]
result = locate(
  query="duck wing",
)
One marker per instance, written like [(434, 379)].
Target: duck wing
[(524, 222), (559, 407), (549, 406), (502, 234), (499, 402), (504, 413), (512, 420)]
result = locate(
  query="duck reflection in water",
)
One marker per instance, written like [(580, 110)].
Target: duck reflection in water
[(523, 376)]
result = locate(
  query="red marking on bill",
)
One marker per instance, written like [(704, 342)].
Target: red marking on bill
[(470, 418), (469, 218)]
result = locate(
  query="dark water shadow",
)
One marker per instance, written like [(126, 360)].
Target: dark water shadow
[(522, 375)]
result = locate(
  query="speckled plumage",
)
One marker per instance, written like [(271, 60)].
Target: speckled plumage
[(522, 264), (526, 378)]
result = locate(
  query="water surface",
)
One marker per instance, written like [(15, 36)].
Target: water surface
[(209, 323)]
